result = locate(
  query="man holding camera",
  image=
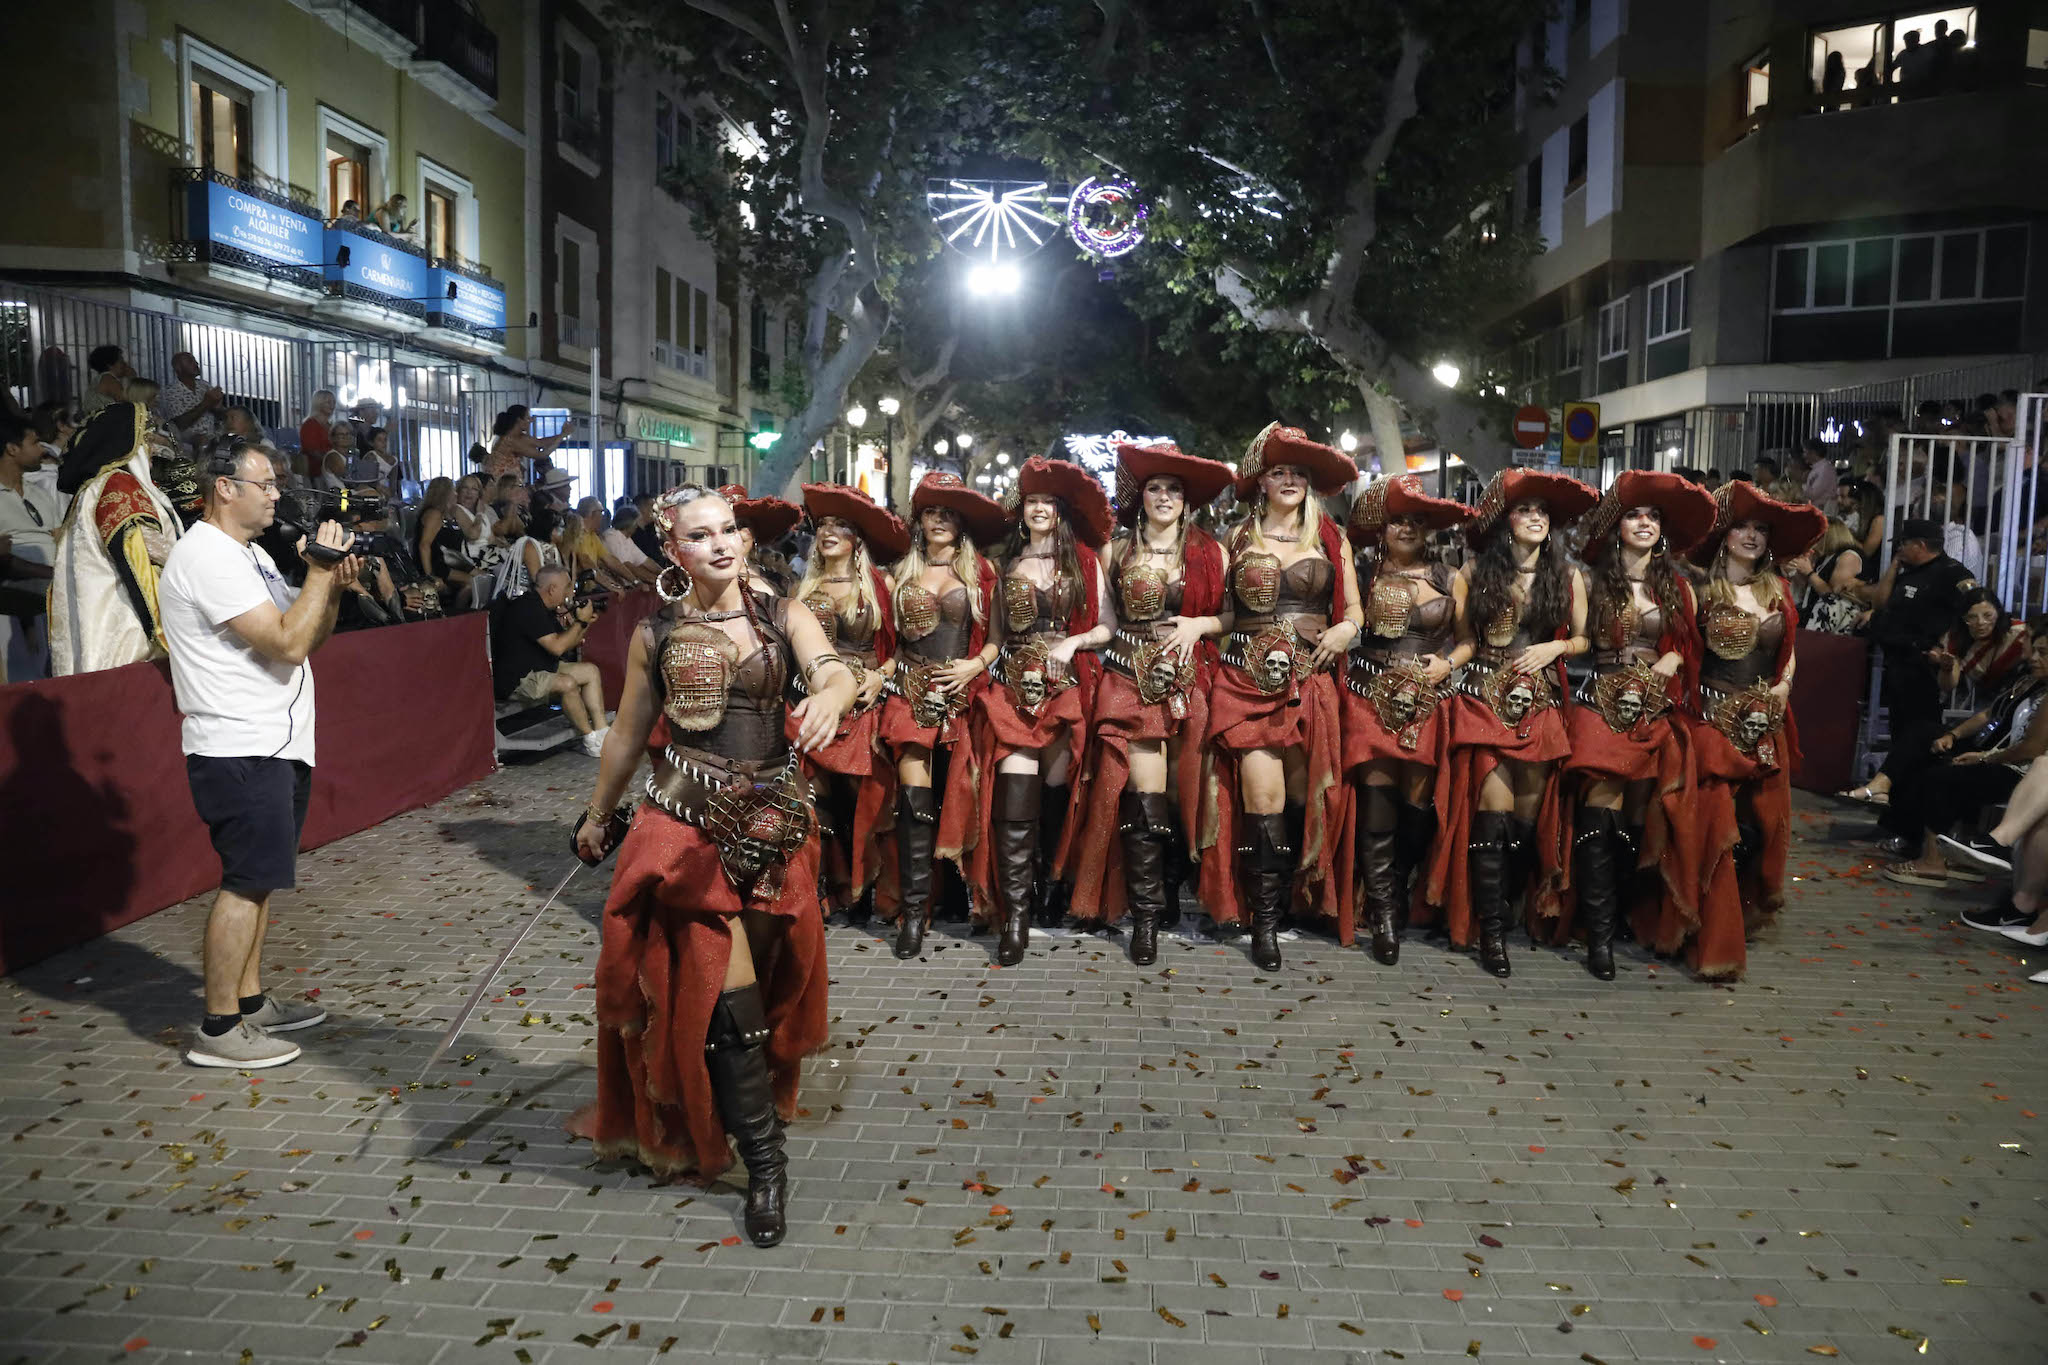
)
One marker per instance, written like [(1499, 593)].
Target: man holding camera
[(534, 640), (239, 640)]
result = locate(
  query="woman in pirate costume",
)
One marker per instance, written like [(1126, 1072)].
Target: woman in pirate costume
[(1030, 730), (1400, 671), (944, 604), (1281, 805), (1151, 712), (850, 596), (762, 522), (1628, 763), (711, 973), (1521, 612), (1744, 745)]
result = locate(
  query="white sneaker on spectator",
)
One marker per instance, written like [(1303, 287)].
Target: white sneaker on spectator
[(243, 1047), (593, 743), (2039, 977), (282, 1016)]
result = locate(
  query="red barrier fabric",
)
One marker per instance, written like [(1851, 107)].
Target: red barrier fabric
[(608, 640), (1828, 687), (99, 828)]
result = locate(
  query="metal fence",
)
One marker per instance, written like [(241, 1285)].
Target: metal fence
[(1775, 421)]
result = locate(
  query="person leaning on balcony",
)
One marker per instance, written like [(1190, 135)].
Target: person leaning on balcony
[(390, 216)]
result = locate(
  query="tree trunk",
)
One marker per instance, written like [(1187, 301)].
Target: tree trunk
[(1385, 415), (784, 466)]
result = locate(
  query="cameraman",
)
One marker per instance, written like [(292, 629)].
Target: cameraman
[(239, 639), (534, 639)]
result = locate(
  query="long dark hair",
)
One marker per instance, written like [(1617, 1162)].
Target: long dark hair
[(1998, 631), (1493, 581), (1066, 550), (1611, 593)]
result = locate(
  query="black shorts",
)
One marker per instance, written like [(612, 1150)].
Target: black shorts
[(255, 809)]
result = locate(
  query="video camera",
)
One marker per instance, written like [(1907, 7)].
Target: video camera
[(301, 511)]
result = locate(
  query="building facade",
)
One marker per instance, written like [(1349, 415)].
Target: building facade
[(1746, 199)]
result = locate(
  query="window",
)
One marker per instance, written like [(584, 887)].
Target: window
[(439, 222), (448, 216), (1571, 348), (664, 133), (220, 122), (575, 284), (1973, 265), (1870, 283), (572, 92), (1906, 56), (2037, 51), (1532, 194), (701, 326), (1614, 329), (355, 162), (1575, 158), (348, 175), (1667, 309), (1756, 85), (759, 361), (661, 310)]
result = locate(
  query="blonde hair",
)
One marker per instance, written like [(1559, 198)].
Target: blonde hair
[(966, 565), (1311, 524), (1837, 537), (865, 609), (1721, 592)]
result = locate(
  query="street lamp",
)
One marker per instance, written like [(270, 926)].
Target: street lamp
[(966, 439), (890, 407), (939, 447), (1446, 373), (856, 416), (1347, 442), (1002, 457)]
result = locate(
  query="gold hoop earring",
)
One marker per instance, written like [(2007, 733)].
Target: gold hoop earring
[(673, 594)]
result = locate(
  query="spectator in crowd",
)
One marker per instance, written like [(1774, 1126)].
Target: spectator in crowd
[(2023, 913), (372, 462), (534, 654), (618, 540), (1714, 479), (442, 549), (472, 516), (333, 476), (281, 469), (1861, 507), (1820, 479), (29, 517), (239, 423), (1982, 651), (2005, 414), (390, 217), (190, 404), (341, 441), (142, 392), (54, 427), (646, 535), (368, 416), (1913, 69), (510, 503), (1950, 505), (1919, 599), (1764, 473), (374, 599), (110, 374), (1975, 764), (512, 443), (314, 438), (549, 503), (1822, 579), (351, 215), (591, 553)]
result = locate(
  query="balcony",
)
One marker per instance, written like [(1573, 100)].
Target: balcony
[(466, 304), (578, 130), (389, 28), (458, 55), (240, 233)]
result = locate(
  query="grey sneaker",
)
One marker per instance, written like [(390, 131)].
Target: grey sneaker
[(282, 1016), (242, 1047)]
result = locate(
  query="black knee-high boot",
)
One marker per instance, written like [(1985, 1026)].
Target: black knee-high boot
[(917, 830), (1486, 855), (1628, 878), (1594, 875), (1414, 834), (1266, 865), (1521, 863), (735, 1050), (1053, 899), (1377, 871), (1014, 815), (1145, 823)]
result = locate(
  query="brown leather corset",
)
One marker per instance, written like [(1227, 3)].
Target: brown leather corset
[(1299, 594), (854, 640), (1031, 610), (717, 702), (1740, 648), (1506, 636), (931, 626), (1639, 632)]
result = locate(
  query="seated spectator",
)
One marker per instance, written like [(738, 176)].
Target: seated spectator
[(239, 422), (471, 515), (2023, 829), (1861, 507), (645, 533), (368, 415), (1819, 481), (534, 642), (29, 515), (54, 426), (1985, 650), (372, 462), (281, 469), (1822, 578), (143, 392), (315, 439), (333, 477), (1973, 765), (591, 553), (1764, 473), (110, 375), (374, 599), (618, 539), (442, 550)]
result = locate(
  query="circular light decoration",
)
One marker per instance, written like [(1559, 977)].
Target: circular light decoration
[(1106, 217)]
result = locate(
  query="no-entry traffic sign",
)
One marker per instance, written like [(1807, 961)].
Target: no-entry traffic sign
[(1532, 426)]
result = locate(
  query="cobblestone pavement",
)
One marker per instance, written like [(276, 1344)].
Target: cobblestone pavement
[(1072, 1160)]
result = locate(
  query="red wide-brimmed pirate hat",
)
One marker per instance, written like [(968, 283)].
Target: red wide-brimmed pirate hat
[(1565, 496), (1401, 495), (1328, 468), (1087, 504), (983, 517), (768, 518), (1200, 480), (1794, 528), (887, 537), (1687, 508)]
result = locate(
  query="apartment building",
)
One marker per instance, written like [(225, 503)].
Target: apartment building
[(1746, 197)]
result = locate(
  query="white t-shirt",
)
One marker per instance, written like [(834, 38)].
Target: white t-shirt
[(31, 518), (622, 547), (237, 704)]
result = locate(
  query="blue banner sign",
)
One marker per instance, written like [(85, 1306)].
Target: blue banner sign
[(375, 266), (476, 303), (225, 216)]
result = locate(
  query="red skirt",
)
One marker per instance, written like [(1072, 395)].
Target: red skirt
[(665, 941), (1733, 907), (1306, 717), (960, 822), (1479, 740), (1122, 720), (1659, 751), (1368, 740), (854, 755), (998, 729)]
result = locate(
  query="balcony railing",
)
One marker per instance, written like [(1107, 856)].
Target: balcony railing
[(223, 220), (453, 35), (400, 16)]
